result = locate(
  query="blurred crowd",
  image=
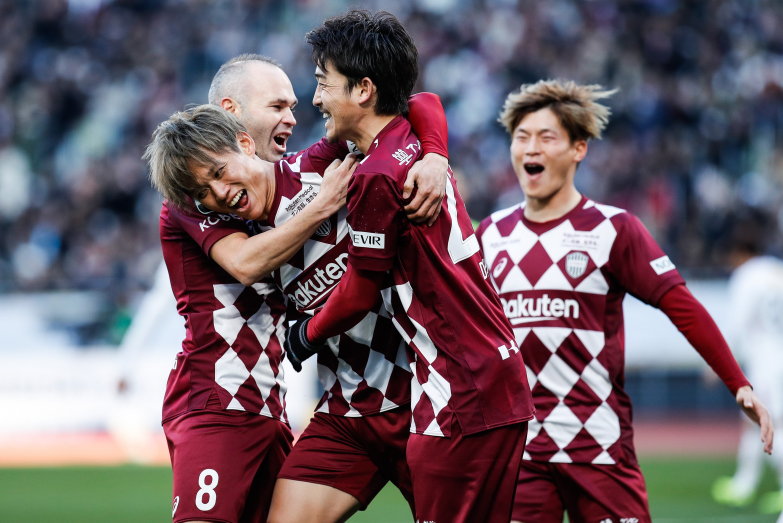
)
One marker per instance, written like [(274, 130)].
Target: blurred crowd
[(695, 139)]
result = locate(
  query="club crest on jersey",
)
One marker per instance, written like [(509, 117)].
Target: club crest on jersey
[(576, 264), (324, 229)]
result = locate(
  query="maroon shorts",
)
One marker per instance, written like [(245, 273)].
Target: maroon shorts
[(225, 464), (354, 455), (587, 492), (466, 478)]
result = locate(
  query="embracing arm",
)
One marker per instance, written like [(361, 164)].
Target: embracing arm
[(427, 176), (248, 259), (698, 327)]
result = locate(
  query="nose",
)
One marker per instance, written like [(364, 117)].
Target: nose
[(219, 189), (317, 96), (289, 118), (532, 146)]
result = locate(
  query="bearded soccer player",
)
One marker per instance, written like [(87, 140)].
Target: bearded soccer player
[(470, 401), (225, 457), (205, 152), (562, 265)]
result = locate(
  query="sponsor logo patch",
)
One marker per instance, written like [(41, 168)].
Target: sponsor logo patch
[(661, 265), (368, 240)]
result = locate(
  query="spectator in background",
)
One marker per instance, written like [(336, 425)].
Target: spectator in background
[(562, 264), (83, 84), (756, 335)]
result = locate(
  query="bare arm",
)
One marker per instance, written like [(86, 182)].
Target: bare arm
[(248, 259)]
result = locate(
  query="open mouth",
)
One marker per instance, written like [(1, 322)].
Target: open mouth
[(534, 168), (237, 198), (281, 139)]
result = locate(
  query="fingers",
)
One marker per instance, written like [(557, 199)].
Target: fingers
[(424, 208)]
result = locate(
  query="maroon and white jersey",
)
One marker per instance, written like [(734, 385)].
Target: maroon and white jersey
[(466, 364), (232, 354), (366, 371), (562, 284)]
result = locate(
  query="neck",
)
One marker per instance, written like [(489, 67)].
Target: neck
[(368, 128), (554, 207), (266, 172)]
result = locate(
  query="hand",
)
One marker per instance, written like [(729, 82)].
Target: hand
[(429, 177), (755, 410), (334, 187), (297, 347)]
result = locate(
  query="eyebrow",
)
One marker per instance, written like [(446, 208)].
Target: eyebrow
[(283, 101)]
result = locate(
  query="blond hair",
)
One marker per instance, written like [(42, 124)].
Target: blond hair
[(574, 105), (186, 139)]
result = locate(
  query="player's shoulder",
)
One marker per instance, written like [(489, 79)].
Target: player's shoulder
[(500, 217), (393, 151)]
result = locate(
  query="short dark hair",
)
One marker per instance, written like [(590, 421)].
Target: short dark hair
[(360, 44)]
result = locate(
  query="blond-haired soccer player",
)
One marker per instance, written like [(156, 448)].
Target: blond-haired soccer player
[(223, 412), (562, 264)]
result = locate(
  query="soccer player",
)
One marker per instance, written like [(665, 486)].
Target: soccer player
[(755, 332), (470, 401), (562, 264), (207, 153), (230, 370)]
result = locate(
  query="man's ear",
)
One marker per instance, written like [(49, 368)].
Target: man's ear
[(580, 148), (365, 91), (230, 105), (246, 143)]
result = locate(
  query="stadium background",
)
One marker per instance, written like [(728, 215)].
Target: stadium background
[(694, 143)]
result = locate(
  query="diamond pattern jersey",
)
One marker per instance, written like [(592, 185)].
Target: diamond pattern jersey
[(366, 371), (232, 353), (561, 284)]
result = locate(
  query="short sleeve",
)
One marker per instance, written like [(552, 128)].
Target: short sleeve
[(375, 221), (638, 263), (207, 229)]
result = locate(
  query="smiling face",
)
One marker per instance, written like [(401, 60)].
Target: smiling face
[(337, 105), (236, 182), (264, 103), (545, 160)]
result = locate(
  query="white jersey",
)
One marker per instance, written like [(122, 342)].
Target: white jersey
[(756, 329)]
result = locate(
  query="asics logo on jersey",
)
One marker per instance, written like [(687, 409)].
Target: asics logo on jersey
[(324, 279), (174, 506), (523, 310), (498, 269)]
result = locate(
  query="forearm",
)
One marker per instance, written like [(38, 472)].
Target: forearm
[(357, 293), (692, 319), (249, 259)]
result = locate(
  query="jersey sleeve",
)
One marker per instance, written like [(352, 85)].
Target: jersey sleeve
[(206, 229), (638, 263), (429, 122), (321, 154), (374, 220)]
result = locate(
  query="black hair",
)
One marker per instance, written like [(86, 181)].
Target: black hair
[(360, 44)]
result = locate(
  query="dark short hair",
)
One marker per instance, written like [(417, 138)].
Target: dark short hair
[(360, 44)]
